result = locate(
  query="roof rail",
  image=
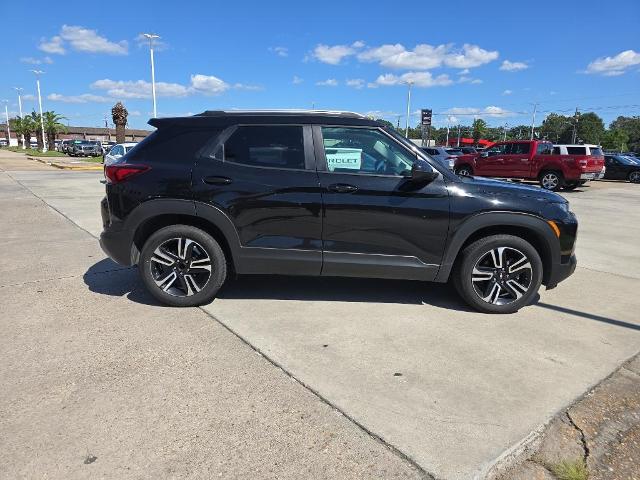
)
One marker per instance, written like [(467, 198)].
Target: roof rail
[(340, 113)]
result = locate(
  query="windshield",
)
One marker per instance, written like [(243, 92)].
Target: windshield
[(596, 151), (626, 160), (452, 151)]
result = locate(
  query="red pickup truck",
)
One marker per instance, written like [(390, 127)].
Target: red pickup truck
[(532, 160)]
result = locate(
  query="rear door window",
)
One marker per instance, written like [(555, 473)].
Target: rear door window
[(266, 146), (596, 151), (577, 150), (522, 148)]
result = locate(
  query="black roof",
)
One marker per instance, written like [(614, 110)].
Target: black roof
[(220, 118)]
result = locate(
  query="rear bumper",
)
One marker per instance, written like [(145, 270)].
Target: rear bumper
[(117, 245), (561, 272)]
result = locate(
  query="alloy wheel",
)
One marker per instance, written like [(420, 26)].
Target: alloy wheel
[(634, 177), (550, 181), (180, 267), (502, 275)]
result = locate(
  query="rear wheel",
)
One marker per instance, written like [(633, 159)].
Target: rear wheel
[(182, 266), (634, 177), (498, 274), (464, 170), (551, 181)]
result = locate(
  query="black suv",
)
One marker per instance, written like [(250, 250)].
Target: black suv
[(323, 193)]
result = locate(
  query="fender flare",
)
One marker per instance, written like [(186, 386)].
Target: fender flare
[(496, 219), (166, 206)]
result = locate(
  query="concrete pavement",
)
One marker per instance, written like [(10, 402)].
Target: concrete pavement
[(99, 381), (452, 389)]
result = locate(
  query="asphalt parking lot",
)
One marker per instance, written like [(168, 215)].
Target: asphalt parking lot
[(394, 379)]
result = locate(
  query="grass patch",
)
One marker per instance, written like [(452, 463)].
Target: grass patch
[(570, 470), (36, 153), (91, 159)]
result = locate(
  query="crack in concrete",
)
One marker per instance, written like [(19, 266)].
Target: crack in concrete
[(583, 439)]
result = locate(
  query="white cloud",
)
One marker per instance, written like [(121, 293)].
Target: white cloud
[(489, 111), (135, 113), (333, 55), (280, 51), (55, 45), (465, 79), (297, 80), (36, 61), (425, 57), (139, 88), (356, 83), (208, 84), (507, 92), (508, 66), (199, 84), (471, 56), (418, 79), (84, 98), (28, 97), (466, 71), (330, 82), (614, 66), (82, 40)]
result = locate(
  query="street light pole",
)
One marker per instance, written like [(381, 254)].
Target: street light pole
[(19, 90), (37, 73), (406, 133), (6, 112), (151, 37)]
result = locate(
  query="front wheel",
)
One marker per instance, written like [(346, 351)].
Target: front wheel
[(498, 274), (551, 181), (182, 266), (464, 171), (634, 177)]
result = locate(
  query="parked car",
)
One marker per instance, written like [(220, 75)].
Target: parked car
[(446, 156), (622, 167), (106, 147), (4, 142), (64, 145), (85, 148), (117, 152), (532, 160), (323, 193)]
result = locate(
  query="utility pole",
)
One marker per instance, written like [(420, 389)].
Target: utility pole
[(151, 37), (458, 144), (19, 90), (504, 139), (406, 133), (37, 73), (575, 126), (446, 143), (533, 119)]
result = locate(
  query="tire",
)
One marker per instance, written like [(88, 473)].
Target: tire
[(492, 289), (571, 185), (634, 177), (464, 171), (551, 180), (168, 271)]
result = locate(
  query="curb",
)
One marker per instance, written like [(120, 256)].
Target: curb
[(66, 167)]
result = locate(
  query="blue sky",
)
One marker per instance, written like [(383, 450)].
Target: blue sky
[(493, 62)]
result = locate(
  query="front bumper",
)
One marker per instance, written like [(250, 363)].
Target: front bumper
[(561, 272)]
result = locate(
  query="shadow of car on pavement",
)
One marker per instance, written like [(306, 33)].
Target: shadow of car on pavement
[(109, 278)]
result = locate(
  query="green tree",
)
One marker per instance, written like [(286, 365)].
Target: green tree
[(386, 123), (630, 126), (52, 126), (590, 128), (615, 140), (557, 128), (479, 128)]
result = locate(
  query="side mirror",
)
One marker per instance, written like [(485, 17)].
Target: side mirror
[(484, 154), (421, 172)]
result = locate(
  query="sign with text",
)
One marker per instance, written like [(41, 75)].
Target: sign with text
[(426, 116), (343, 158)]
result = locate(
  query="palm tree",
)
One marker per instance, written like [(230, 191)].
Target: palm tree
[(119, 115), (35, 117), (28, 126), (52, 127)]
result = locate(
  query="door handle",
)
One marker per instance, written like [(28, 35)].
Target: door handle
[(216, 180), (342, 188)]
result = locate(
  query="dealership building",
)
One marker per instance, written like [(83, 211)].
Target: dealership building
[(84, 133)]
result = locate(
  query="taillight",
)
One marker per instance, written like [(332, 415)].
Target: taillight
[(119, 173)]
